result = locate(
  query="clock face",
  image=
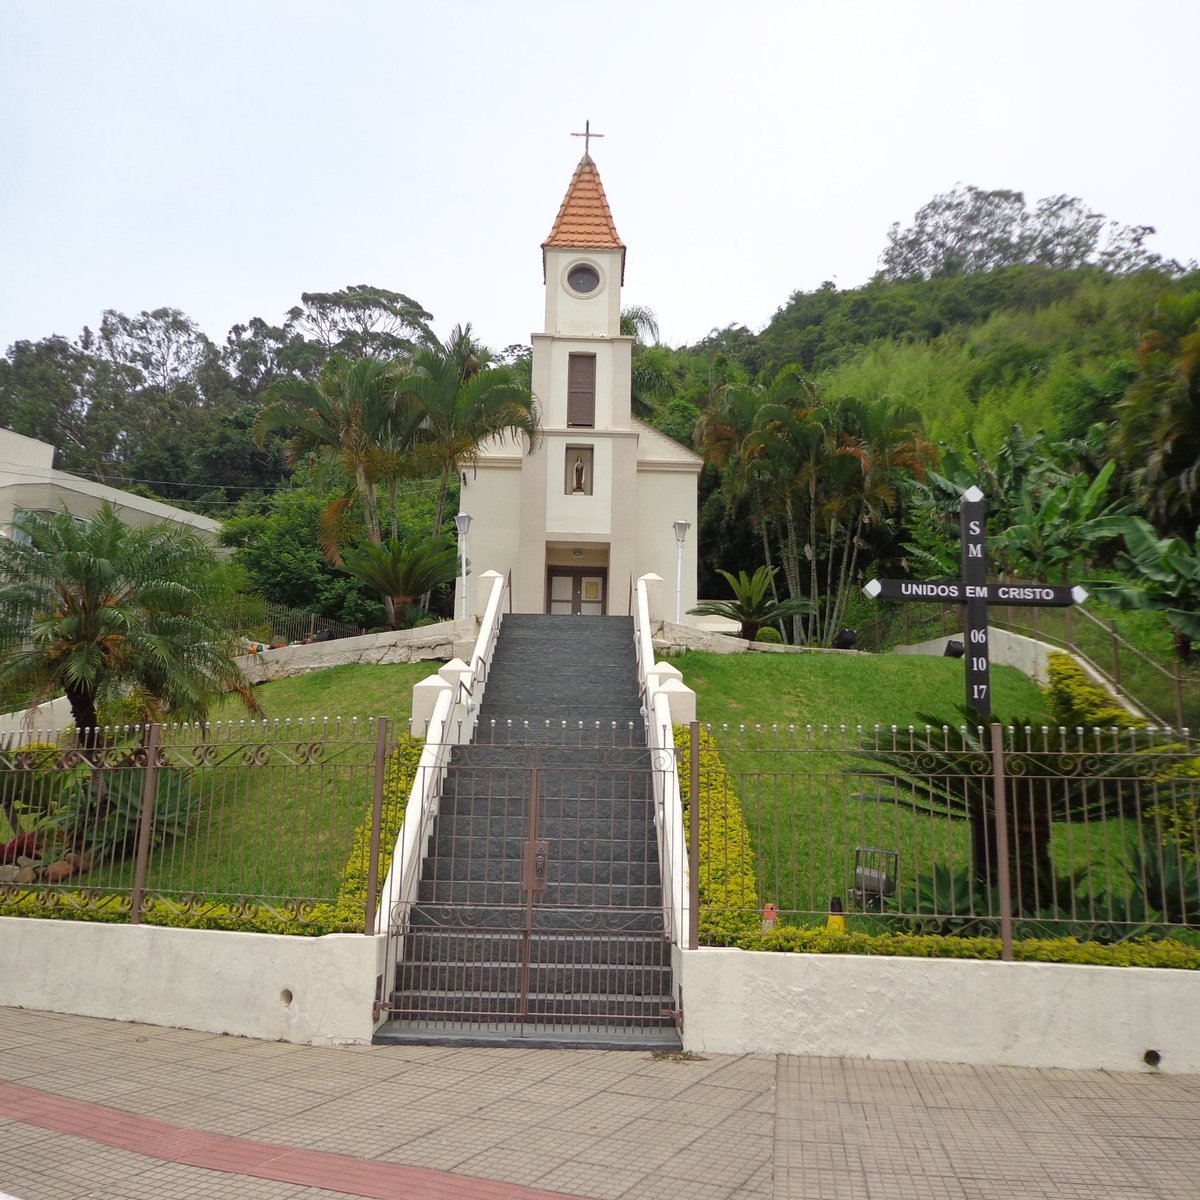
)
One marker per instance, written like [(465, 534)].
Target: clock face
[(583, 278)]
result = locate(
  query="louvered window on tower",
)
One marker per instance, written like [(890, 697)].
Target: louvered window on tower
[(581, 391)]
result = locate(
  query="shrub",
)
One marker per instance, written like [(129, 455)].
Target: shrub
[(1139, 953), (770, 635), (728, 891), (1075, 700)]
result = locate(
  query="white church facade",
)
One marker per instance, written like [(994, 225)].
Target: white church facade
[(597, 504)]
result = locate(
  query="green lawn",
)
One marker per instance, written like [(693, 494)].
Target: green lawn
[(844, 689), (346, 692), (277, 809), (808, 805)]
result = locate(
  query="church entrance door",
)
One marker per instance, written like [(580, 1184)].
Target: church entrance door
[(581, 591)]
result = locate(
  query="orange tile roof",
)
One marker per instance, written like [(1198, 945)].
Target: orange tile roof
[(584, 220)]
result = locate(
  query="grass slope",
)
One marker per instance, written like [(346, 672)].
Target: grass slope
[(845, 689), (346, 692), (805, 803)]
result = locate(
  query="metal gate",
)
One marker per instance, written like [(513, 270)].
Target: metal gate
[(540, 902)]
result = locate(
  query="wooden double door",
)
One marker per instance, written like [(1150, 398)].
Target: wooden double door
[(581, 591)]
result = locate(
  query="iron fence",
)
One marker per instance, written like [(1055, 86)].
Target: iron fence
[(1168, 695), (1015, 832), (274, 624), (200, 824)]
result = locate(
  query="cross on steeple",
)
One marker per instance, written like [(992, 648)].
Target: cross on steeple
[(587, 135)]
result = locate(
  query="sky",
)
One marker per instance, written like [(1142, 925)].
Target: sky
[(224, 156)]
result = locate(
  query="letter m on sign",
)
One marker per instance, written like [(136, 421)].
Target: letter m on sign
[(974, 550)]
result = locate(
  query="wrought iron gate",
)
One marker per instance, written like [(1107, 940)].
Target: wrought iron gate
[(540, 901)]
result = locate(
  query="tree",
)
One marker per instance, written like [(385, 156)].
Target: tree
[(752, 605), (101, 609), (276, 542), (361, 321), (1158, 433), (401, 570), (461, 401), (650, 379), (970, 230), (1166, 579), (355, 416)]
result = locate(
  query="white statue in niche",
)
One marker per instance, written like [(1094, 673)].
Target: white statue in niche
[(579, 473)]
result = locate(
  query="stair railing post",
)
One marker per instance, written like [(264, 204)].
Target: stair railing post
[(693, 930), (381, 744), (145, 824)]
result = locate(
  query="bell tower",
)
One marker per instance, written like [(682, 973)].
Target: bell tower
[(582, 497), (593, 507)]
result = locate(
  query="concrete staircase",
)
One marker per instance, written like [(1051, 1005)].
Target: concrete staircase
[(539, 916)]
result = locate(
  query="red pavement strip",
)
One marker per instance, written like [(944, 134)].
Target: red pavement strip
[(239, 1156)]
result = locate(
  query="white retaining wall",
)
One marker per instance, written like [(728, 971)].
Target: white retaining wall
[(940, 1010), (445, 640), (320, 990), (293, 989)]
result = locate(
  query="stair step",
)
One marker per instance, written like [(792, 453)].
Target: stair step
[(596, 1007), (561, 871), (555, 894), (621, 949), (545, 979), (564, 921)]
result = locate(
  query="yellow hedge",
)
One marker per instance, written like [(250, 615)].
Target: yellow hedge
[(1076, 700), (1137, 953), (728, 891)]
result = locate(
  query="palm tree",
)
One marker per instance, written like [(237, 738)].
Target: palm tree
[(752, 606), (401, 570), (101, 609), (1158, 435), (650, 382), (725, 430), (461, 401), (356, 416)]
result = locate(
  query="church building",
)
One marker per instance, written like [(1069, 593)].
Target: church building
[(596, 506)]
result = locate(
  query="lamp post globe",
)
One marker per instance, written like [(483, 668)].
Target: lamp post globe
[(462, 522), (681, 527)]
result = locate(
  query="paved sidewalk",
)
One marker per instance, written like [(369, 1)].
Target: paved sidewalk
[(100, 1110)]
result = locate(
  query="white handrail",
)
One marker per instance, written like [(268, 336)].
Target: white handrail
[(668, 804), (404, 874), (471, 684)]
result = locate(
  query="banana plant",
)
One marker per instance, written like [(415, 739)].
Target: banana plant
[(1166, 578)]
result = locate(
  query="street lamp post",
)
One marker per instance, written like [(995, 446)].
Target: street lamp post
[(681, 528), (462, 522)]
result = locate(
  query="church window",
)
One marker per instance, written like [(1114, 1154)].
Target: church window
[(578, 474), (581, 391), (583, 278)]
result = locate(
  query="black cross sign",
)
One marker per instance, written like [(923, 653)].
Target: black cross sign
[(587, 135), (975, 594)]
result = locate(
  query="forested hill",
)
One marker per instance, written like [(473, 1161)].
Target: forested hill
[(1050, 349)]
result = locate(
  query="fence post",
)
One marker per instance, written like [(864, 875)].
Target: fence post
[(1000, 813), (1180, 722), (1116, 652), (145, 824), (693, 931), (381, 745)]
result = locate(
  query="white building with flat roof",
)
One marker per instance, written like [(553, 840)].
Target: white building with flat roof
[(28, 481)]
